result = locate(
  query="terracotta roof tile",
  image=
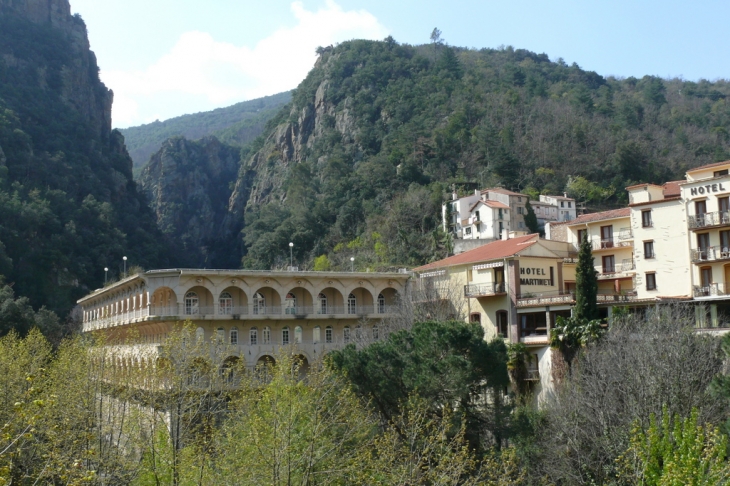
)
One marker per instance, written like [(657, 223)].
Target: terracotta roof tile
[(708, 166), (672, 189), (490, 251), (591, 217), (496, 204), (503, 191)]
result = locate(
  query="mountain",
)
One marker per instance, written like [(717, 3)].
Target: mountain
[(68, 204), (238, 125)]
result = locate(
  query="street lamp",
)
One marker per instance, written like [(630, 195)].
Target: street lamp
[(291, 255), (106, 272), (125, 265), (352, 264)]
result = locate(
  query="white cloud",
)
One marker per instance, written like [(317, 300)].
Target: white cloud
[(200, 73)]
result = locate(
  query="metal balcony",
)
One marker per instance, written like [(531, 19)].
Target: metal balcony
[(711, 290), (617, 270), (708, 220), (611, 243), (485, 289), (710, 254)]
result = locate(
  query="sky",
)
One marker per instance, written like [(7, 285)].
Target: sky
[(165, 58)]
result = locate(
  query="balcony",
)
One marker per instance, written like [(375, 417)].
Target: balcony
[(552, 297), (711, 290), (532, 375), (710, 254), (708, 220), (614, 297), (612, 243), (619, 270), (485, 289)]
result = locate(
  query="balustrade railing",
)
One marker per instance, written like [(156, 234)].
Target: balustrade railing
[(476, 290), (617, 268), (711, 290), (711, 253), (706, 220)]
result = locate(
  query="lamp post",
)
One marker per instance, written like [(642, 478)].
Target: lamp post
[(125, 265), (352, 264), (291, 255), (106, 272)]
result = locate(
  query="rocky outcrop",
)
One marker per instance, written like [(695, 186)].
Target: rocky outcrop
[(81, 87), (188, 185)]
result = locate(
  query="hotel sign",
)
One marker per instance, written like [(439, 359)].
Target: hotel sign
[(531, 276), (707, 189)]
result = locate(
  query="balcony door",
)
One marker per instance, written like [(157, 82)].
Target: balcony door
[(706, 277), (607, 236), (609, 264), (703, 244), (499, 279)]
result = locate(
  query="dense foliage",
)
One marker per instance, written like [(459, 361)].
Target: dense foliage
[(68, 205), (236, 125), (406, 122)]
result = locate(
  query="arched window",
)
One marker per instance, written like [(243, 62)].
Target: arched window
[(266, 335), (192, 304), (328, 334), (290, 304), (358, 332), (298, 335), (220, 335), (376, 333), (259, 304), (225, 304), (199, 334), (234, 336), (351, 304), (381, 304), (346, 334), (253, 335), (322, 304), (502, 323), (285, 336), (315, 335)]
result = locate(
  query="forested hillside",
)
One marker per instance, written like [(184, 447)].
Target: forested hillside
[(236, 125), (68, 204), (377, 132)]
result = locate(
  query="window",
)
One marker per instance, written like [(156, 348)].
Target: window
[(290, 304), (322, 303), (581, 235), (502, 327), (562, 204), (266, 335), (381, 304), (358, 332), (609, 264), (650, 281), (328, 334), (376, 333), (606, 236), (521, 225), (646, 218), (351, 304), (253, 336), (476, 215), (298, 335), (706, 277), (700, 208), (519, 199), (467, 231), (220, 335), (499, 214), (285, 336), (570, 204), (720, 173), (703, 244), (346, 334), (259, 304), (192, 304), (520, 210), (725, 241), (234, 336), (475, 317), (649, 249), (315, 335), (225, 304)]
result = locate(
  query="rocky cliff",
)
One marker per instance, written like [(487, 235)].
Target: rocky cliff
[(188, 185)]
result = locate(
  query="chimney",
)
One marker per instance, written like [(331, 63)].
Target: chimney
[(454, 196), (476, 192), (565, 194)]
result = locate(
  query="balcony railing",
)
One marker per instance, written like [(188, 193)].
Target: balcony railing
[(616, 269), (478, 290), (612, 243), (711, 290), (708, 220), (711, 254), (550, 297), (625, 234), (611, 296), (532, 375)]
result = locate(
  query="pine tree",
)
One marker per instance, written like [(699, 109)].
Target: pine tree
[(531, 219), (586, 284)]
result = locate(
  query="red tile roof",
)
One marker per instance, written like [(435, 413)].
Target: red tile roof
[(672, 189), (611, 214), (503, 191), (490, 251), (496, 204), (709, 166)]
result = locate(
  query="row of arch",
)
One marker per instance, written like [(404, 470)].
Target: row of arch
[(295, 335)]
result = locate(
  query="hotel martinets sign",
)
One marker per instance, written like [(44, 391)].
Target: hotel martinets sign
[(707, 189), (531, 276)]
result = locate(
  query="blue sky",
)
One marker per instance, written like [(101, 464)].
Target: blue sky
[(165, 58)]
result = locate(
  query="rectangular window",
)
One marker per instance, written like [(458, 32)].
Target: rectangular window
[(706, 276), (700, 208), (648, 249), (607, 236), (328, 335), (520, 225), (725, 240), (520, 210), (582, 234), (467, 231), (609, 264), (720, 173), (570, 204), (646, 218), (650, 281), (285, 336), (562, 204)]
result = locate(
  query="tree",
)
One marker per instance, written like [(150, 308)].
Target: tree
[(531, 219), (586, 283), (446, 363), (436, 36)]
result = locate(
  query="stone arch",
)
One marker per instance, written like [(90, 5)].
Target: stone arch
[(239, 301), (334, 300), (386, 300), (164, 302), (302, 302), (271, 302), (205, 301), (301, 363), (364, 302)]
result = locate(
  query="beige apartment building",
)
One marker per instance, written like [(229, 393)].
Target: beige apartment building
[(254, 313)]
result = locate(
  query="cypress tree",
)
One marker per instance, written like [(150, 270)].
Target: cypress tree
[(531, 219), (586, 284)]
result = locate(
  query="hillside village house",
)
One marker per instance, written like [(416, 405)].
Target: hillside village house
[(485, 215), (254, 312)]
